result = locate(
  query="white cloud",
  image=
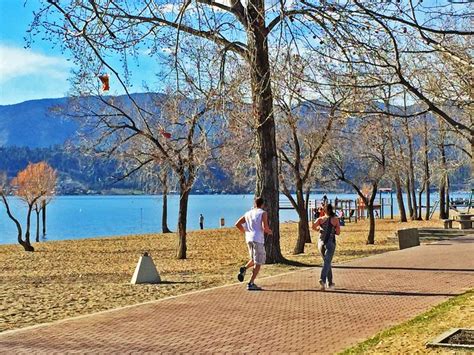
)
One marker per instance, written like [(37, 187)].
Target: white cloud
[(27, 75), (169, 8), (18, 62)]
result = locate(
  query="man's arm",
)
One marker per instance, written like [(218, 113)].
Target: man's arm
[(240, 224), (266, 227)]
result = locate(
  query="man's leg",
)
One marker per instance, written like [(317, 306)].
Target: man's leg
[(243, 269), (258, 261), (255, 271)]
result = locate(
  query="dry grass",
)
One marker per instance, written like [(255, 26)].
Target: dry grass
[(410, 337), (69, 278)]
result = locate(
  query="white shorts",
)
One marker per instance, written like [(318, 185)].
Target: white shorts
[(257, 252)]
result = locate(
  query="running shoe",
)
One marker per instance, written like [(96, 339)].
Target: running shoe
[(241, 274), (253, 287)]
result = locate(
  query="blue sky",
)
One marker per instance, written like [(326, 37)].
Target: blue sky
[(26, 74), (42, 70)]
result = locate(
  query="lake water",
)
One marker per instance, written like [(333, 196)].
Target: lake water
[(75, 217)]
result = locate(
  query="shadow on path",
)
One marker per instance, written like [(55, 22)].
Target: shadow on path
[(368, 292), (398, 268), (298, 263)]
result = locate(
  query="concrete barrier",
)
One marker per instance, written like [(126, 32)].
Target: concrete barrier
[(408, 238), (145, 272)]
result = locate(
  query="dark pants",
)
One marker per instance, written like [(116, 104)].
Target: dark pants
[(201, 225)]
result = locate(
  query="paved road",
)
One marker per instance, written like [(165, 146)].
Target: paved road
[(290, 315)]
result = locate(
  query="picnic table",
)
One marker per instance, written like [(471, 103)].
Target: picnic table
[(465, 220)]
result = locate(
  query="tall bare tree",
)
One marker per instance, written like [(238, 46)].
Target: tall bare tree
[(361, 161)]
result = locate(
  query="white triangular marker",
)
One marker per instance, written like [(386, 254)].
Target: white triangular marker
[(145, 272)]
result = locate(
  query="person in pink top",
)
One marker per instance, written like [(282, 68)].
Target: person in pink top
[(254, 224)]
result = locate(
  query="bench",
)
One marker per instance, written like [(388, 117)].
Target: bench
[(447, 223), (465, 220), (464, 224), (408, 238)]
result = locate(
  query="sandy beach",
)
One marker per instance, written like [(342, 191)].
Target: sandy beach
[(68, 278)]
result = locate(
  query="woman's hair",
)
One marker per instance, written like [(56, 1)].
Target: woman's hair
[(330, 210)]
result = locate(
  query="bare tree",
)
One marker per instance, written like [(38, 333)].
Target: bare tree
[(304, 129), (156, 179), (403, 41), (92, 29), (361, 162)]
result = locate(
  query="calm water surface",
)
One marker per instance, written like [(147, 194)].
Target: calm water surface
[(75, 217)]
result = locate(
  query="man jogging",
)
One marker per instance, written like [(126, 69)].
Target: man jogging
[(254, 224)]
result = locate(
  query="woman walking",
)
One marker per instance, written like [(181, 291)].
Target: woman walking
[(328, 227)]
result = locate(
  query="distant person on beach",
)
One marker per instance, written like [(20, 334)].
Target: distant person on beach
[(328, 227), (254, 224), (201, 221)]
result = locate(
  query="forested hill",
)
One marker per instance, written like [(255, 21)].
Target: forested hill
[(34, 124), (36, 130)]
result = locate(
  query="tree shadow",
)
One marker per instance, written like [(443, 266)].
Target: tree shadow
[(402, 268), (298, 263), (169, 282), (367, 292)]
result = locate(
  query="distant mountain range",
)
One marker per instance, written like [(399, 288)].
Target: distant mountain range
[(37, 130), (33, 124)]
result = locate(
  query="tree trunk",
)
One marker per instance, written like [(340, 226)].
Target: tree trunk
[(472, 156), (164, 213), (410, 205), (413, 193), (182, 220), (27, 247), (428, 194), (401, 204), (443, 194), (420, 194), (411, 169), (426, 186), (442, 199), (428, 202), (303, 230), (447, 196), (262, 100), (37, 225), (370, 211), (28, 225), (43, 209)]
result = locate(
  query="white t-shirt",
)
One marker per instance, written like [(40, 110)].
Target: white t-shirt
[(253, 226)]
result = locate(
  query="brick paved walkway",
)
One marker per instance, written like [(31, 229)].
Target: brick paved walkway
[(291, 315)]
